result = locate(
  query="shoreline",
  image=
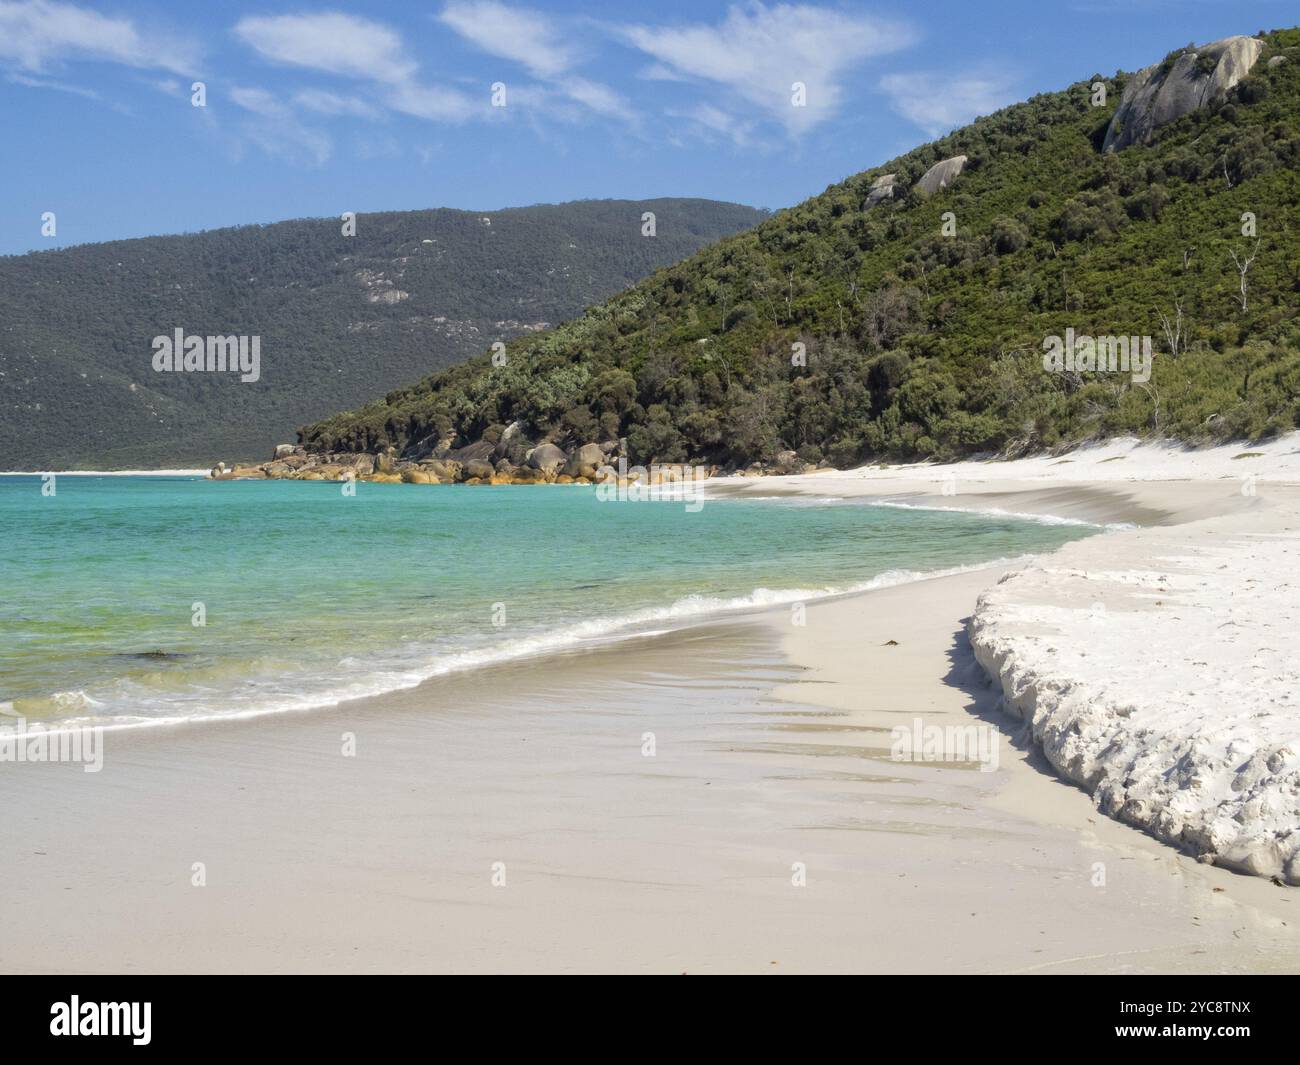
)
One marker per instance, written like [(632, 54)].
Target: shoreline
[(773, 749), (577, 639)]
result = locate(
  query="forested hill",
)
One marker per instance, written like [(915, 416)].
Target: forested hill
[(923, 291), (340, 318)]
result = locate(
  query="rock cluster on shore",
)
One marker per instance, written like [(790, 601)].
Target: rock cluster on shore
[(510, 459)]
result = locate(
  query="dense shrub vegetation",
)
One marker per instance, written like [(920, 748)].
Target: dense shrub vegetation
[(920, 344)]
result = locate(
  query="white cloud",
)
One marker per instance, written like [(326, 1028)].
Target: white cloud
[(599, 98), (515, 33), (47, 83), (758, 53), (358, 48), (534, 41), (434, 102), (37, 33), (940, 103), (329, 42), (259, 101), (324, 102)]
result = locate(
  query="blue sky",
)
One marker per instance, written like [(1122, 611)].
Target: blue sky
[(313, 110)]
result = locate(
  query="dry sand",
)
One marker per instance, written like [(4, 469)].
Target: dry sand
[(772, 752)]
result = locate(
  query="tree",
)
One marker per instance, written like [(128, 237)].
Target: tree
[(1243, 267)]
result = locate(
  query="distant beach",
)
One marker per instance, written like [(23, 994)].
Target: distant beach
[(104, 473)]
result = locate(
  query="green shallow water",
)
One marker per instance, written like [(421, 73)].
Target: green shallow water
[(312, 596)]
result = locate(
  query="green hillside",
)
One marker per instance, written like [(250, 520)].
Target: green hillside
[(924, 344), (340, 318)]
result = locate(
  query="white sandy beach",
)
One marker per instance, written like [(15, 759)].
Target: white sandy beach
[(773, 830), (1152, 664)]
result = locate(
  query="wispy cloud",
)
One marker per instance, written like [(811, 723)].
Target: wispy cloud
[(659, 72), (258, 101), (275, 128), (939, 103), (758, 53), (539, 44), (437, 103), (714, 122), (597, 97), (357, 48), (333, 104), (515, 33), (49, 83), (330, 42), (38, 34), (168, 86)]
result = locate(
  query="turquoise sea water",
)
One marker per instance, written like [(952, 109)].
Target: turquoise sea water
[(310, 596)]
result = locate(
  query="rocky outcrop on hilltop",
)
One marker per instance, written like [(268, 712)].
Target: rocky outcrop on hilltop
[(882, 189), (1166, 91), (941, 175), (938, 177)]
